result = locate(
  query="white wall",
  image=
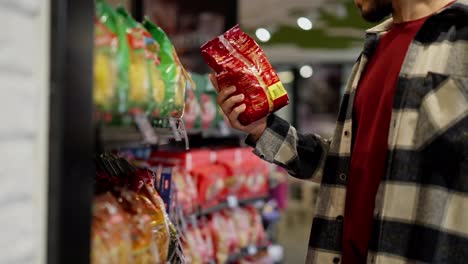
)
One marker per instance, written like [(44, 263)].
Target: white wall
[(23, 129)]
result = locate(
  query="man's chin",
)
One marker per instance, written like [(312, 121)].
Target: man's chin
[(374, 16)]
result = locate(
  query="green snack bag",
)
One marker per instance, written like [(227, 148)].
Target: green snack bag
[(140, 94), (110, 60), (173, 73), (192, 115), (156, 83), (210, 110)]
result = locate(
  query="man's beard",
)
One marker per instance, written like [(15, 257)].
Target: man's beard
[(378, 11)]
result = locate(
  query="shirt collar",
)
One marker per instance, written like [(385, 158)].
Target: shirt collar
[(458, 6)]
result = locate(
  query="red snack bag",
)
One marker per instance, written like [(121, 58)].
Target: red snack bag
[(210, 184), (238, 60), (186, 190), (257, 231), (208, 253)]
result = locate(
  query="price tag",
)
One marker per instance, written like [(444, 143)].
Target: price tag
[(146, 129), (252, 250), (175, 130), (232, 201)]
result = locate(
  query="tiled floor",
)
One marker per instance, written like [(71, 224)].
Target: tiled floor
[(293, 234)]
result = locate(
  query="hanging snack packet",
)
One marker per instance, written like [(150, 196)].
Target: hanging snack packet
[(173, 73), (111, 238), (239, 61), (145, 249), (110, 53), (156, 83), (192, 114), (139, 89)]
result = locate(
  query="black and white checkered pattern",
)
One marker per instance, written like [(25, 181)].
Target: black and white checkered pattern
[(421, 209)]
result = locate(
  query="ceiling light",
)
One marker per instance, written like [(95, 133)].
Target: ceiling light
[(263, 34), (304, 23), (306, 71)]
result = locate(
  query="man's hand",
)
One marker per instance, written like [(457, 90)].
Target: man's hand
[(227, 102)]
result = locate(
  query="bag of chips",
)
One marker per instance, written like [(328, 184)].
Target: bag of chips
[(239, 61), (110, 56), (111, 237), (140, 98), (157, 84), (143, 215), (173, 73)]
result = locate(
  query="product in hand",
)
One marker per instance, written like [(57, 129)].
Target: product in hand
[(239, 61)]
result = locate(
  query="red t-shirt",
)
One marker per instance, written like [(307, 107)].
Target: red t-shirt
[(372, 113)]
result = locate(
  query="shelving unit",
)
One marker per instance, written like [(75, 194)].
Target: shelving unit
[(74, 139), (232, 202)]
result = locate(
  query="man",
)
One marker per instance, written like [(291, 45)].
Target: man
[(394, 177)]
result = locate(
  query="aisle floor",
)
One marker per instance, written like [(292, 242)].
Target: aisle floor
[(293, 234)]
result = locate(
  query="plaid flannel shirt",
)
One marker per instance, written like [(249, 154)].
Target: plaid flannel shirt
[(421, 208)]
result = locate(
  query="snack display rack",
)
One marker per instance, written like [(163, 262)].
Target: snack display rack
[(75, 138)]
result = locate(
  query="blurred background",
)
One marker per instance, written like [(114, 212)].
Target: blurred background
[(62, 153)]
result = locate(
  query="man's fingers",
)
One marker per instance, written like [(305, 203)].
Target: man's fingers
[(231, 102), (225, 94), (234, 115)]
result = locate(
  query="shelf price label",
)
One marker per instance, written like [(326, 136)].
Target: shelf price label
[(146, 129), (252, 250), (232, 201)]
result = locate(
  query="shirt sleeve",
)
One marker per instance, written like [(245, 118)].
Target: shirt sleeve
[(303, 156)]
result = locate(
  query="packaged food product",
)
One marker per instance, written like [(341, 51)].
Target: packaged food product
[(147, 248), (220, 237), (235, 177), (109, 54), (239, 61), (206, 95), (191, 242), (161, 223), (256, 183), (208, 253), (187, 194), (257, 234), (140, 62), (110, 234), (192, 115), (210, 184), (173, 73), (242, 224)]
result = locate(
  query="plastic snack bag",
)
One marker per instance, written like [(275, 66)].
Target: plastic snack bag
[(139, 89), (160, 220), (192, 115), (111, 238), (157, 84), (239, 61), (145, 249), (173, 73), (110, 84)]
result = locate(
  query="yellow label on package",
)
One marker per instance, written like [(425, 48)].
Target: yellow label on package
[(276, 90)]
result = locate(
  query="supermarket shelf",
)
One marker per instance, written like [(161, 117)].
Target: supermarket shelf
[(216, 137), (232, 202), (246, 252), (143, 132)]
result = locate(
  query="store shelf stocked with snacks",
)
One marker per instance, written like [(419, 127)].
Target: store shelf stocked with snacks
[(157, 202), (139, 82), (204, 206)]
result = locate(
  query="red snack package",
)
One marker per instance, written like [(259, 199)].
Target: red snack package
[(210, 184), (239, 61), (233, 182), (257, 234), (205, 232), (187, 195), (224, 236)]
